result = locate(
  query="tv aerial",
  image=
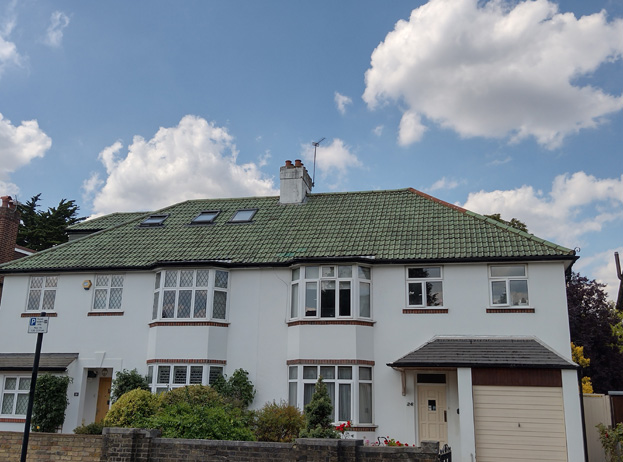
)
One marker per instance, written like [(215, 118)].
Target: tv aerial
[(316, 144)]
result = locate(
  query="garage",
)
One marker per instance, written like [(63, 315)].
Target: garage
[(519, 415)]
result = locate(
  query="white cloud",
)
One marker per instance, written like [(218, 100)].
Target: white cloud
[(378, 130), (445, 183), (18, 146), (8, 50), (496, 69), (411, 129), (503, 161), (341, 101), (195, 159), (576, 205), (333, 161), (54, 35)]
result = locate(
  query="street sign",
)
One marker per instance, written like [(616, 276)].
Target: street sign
[(38, 326)]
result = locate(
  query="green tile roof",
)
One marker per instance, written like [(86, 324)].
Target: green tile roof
[(105, 222), (399, 225)]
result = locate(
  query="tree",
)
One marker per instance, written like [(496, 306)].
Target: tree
[(238, 388), (577, 354), (319, 414), (48, 408), (127, 381), (515, 223), (40, 230), (591, 322)]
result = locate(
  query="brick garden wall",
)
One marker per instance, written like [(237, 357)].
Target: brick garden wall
[(51, 447), (132, 445)]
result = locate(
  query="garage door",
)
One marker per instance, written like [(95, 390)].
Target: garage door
[(519, 424)]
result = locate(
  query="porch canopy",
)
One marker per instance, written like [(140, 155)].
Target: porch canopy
[(48, 362), (481, 352)]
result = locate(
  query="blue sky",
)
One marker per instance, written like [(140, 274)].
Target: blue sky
[(502, 107)]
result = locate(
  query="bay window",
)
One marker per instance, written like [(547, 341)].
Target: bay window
[(330, 291), (191, 294), (164, 377), (349, 387)]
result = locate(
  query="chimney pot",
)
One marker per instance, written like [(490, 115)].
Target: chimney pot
[(288, 163), (298, 163), (7, 201)]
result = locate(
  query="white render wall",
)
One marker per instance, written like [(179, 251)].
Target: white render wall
[(259, 340)]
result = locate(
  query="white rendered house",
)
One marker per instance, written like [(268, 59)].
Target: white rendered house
[(426, 321)]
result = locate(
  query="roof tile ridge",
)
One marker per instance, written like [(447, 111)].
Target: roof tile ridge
[(511, 229), (439, 201), (370, 191)]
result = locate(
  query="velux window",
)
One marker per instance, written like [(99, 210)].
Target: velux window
[(331, 291), (242, 216), (154, 220), (191, 294), (205, 218)]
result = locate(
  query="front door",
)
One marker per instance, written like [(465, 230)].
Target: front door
[(103, 398), (432, 413)]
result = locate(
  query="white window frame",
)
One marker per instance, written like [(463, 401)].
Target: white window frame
[(297, 383), (208, 374), (301, 279), (24, 392), (49, 284), (422, 281), (508, 282), (212, 290), (108, 287)]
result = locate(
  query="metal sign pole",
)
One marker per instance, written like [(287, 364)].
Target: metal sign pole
[(31, 397)]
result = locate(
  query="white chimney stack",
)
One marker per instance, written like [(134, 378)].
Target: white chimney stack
[(295, 184)]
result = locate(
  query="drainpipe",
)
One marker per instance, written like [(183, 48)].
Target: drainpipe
[(582, 414)]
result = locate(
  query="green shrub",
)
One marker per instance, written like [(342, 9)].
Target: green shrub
[(279, 423), (94, 428), (48, 410), (125, 381), (319, 414), (214, 422), (195, 395), (612, 441), (238, 389), (132, 409)]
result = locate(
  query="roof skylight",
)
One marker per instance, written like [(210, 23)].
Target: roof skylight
[(154, 220), (205, 217), (242, 216)]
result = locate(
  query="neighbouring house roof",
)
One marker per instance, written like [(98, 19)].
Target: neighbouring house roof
[(377, 226), (484, 352), (50, 362)]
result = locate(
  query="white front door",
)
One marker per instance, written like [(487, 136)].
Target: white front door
[(431, 413)]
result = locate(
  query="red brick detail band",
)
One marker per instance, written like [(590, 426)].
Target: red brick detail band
[(187, 361), (340, 362), (324, 322), (363, 429), (105, 313), (188, 323), (38, 315), (6, 419), (510, 310), (425, 311)]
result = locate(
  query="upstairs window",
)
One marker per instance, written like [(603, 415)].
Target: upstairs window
[(108, 292), (509, 285), (424, 286), (153, 220), (242, 216), (191, 294), (42, 293), (331, 291), (205, 218)]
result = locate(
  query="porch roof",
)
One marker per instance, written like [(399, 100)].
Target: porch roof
[(48, 362), (484, 352)]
